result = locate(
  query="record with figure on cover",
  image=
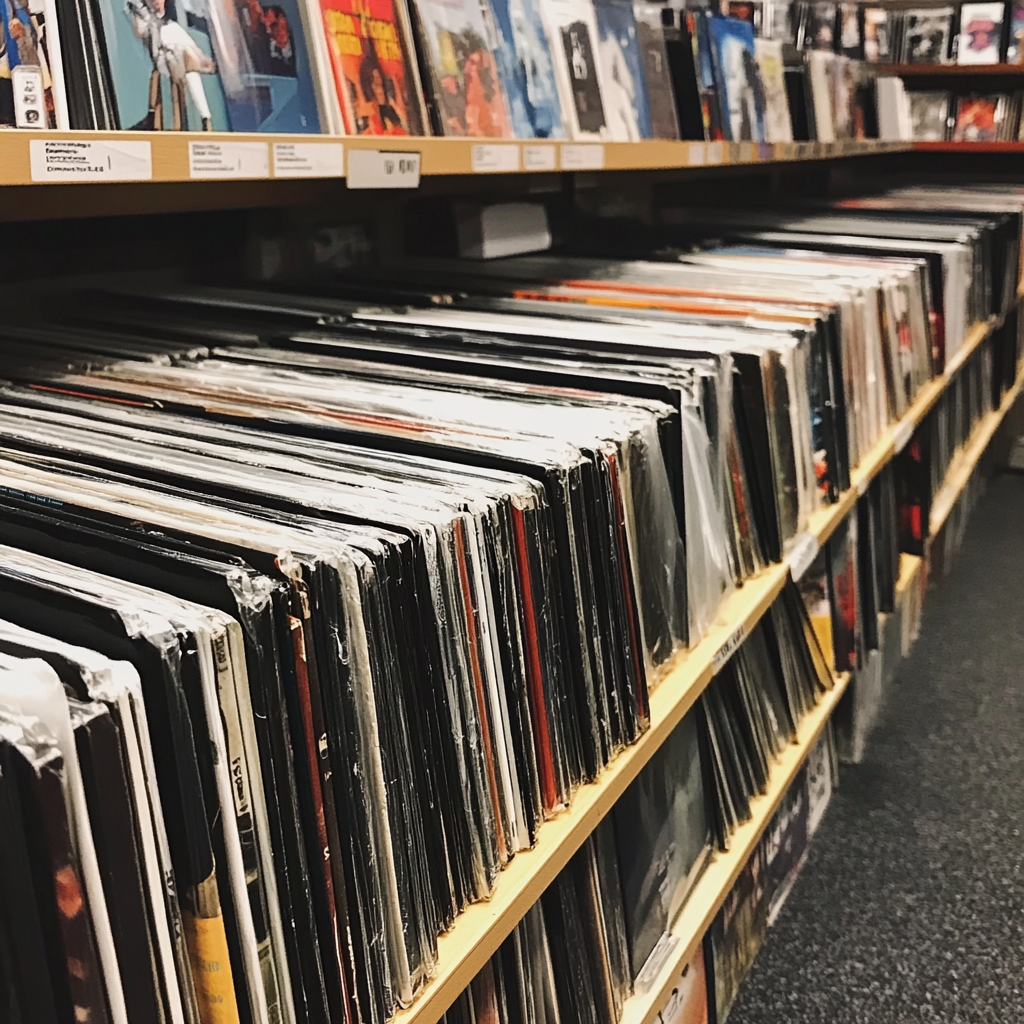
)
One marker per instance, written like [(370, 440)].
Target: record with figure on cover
[(32, 91), (467, 94), (573, 32), (741, 93), (625, 91), (225, 65), (525, 61), (1015, 44), (374, 67), (777, 122), (981, 33), (928, 33), (929, 115), (978, 118), (876, 35)]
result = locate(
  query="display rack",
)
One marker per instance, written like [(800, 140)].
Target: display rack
[(718, 878), (477, 933)]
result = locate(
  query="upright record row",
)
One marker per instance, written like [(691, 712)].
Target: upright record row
[(313, 611)]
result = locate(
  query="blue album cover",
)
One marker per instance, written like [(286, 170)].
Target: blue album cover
[(624, 88), (210, 65), (526, 69), (740, 90)]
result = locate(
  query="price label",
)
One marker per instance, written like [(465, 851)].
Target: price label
[(99, 160), (729, 648), (495, 159), (902, 435), (539, 158), (803, 552), (371, 168), (309, 160), (583, 157), (716, 152), (747, 154), (697, 155), (228, 160)]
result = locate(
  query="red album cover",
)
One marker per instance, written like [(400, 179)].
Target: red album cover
[(977, 119), (377, 87)]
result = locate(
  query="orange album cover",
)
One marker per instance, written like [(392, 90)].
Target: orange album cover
[(371, 57)]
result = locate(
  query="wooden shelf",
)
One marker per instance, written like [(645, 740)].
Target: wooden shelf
[(22, 157), (949, 70), (714, 885), (966, 459), (969, 147), (478, 933)]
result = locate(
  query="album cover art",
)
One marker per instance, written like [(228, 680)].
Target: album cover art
[(851, 39), (657, 74), (1015, 46), (525, 61), (981, 33), (741, 93), (29, 97), (777, 122), (977, 119), (467, 88), (877, 48), (928, 33), (820, 30), (929, 115), (374, 73), (227, 65), (625, 92)]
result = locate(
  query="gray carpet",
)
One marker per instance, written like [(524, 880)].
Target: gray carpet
[(911, 905)]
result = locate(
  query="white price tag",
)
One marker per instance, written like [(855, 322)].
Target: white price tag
[(309, 160), (747, 153), (803, 552), (697, 155), (228, 160), (588, 157), (902, 435), (496, 159), (370, 168), (539, 158), (716, 152), (729, 648), (99, 160)]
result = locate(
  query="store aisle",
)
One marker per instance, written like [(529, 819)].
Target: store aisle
[(911, 906)]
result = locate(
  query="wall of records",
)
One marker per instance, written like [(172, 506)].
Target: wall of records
[(769, 71), (469, 640)]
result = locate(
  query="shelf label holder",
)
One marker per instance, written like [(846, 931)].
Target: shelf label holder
[(374, 168)]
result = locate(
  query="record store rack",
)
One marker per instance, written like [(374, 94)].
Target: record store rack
[(481, 929), (170, 163)]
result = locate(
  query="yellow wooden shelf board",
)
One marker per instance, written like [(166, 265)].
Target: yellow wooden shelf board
[(910, 566), (966, 459), (478, 933), (169, 152), (717, 881)]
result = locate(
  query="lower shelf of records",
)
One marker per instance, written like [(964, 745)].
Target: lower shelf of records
[(346, 615)]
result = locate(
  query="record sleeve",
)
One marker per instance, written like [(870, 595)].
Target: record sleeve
[(456, 46), (661, 97), (929, 115), (778, 125), (978, 118), (32, 89), (1015, 45), (224, 66), (876, 35), (928, 35), (981, 33), (375, 78), (624, 84), (740, 91), (573, 33), (526, 65)]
